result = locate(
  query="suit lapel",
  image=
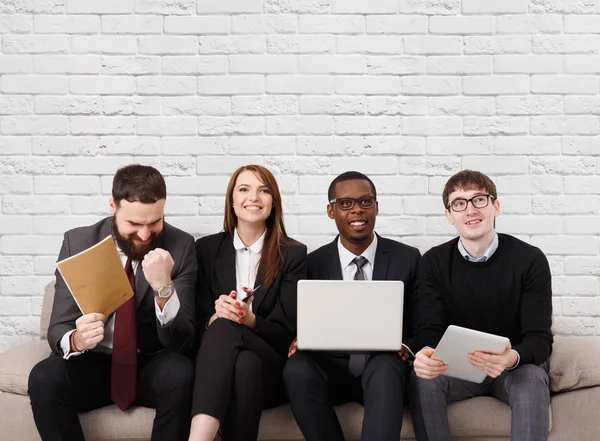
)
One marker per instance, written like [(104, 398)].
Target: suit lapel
[(225, 266), (261, 292), (333, 267), (141, 285), (382, 261)]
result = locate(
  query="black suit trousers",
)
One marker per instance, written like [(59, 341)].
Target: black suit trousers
[(315, 382), (60, 388), (238, 375)]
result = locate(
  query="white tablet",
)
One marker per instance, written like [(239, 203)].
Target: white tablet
[(457, 342)]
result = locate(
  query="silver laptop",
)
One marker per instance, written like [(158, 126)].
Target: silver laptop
[(350, 316)]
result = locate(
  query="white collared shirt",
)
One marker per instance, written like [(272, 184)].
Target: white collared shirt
[(165, 317), (246, 263), (488, 253), (346, 257)]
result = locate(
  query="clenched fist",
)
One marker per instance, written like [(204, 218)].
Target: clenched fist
[(157, 266)]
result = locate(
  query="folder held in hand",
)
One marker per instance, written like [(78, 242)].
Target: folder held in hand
[(96, 278)]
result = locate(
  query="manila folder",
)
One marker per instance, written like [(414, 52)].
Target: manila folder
[(96, 278)]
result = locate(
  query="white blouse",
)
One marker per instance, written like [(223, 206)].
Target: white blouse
[(246, 263)]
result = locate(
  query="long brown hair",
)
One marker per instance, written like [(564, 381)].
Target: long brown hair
[(276, 236)]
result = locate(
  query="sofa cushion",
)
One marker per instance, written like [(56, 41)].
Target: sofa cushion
[(46, 310), (16, 364), (475, 418), (574, 363), (111, 423)]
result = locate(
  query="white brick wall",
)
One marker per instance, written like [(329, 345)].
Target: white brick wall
[(408, 91)]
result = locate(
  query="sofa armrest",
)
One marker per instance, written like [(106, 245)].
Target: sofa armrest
[(574, 363), (16, 364)]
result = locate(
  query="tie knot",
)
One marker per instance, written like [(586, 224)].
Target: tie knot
[(359, 261)]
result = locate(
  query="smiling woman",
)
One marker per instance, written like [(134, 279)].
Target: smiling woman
[(244, 339), (252, 200)]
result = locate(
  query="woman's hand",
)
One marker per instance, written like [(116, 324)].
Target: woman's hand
[(248, 318), (227, 307), (230, 308)]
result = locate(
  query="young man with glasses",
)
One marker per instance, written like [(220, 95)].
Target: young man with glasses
[(489, 282), (315, 382)]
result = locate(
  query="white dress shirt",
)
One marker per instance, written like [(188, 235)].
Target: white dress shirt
[(165, 317), (346, 257), (488, 253), (246, 263)]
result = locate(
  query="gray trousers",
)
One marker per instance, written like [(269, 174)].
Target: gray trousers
[(525, 389)]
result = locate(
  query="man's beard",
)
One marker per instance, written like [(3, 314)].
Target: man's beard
[(130, 248)]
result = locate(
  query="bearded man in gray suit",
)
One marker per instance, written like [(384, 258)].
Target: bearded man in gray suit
[(137, 354)]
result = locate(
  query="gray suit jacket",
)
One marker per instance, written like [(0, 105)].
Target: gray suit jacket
[(152, 337)]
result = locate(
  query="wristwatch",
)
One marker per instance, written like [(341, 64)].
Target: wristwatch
[(166, 291)]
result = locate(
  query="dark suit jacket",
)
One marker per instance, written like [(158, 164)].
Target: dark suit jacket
[(274, 307), (152, 337), (393, 261)]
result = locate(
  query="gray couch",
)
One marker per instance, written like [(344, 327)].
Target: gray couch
[(574, 381)]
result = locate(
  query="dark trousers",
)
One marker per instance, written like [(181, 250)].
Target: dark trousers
[(525, 389), (60, 388), (315, 382), (238, 375)]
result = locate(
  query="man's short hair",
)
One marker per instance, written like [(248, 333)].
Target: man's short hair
[(349, 176), (468, 180), (138, 183)]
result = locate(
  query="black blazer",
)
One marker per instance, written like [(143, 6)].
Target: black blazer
[(275, 307), (393, 261), (151, 336)]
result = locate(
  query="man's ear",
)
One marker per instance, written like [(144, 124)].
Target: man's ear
[(376, 208), (330, 211), (112, 206), (496, 207), (449, 217)]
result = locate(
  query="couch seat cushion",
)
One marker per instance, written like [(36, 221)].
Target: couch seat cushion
[(111, 423), (477, 417)]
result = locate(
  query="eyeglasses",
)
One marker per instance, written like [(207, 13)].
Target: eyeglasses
[(348, 203), (479, 201)]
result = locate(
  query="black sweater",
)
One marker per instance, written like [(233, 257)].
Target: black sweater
[(509, 295)]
